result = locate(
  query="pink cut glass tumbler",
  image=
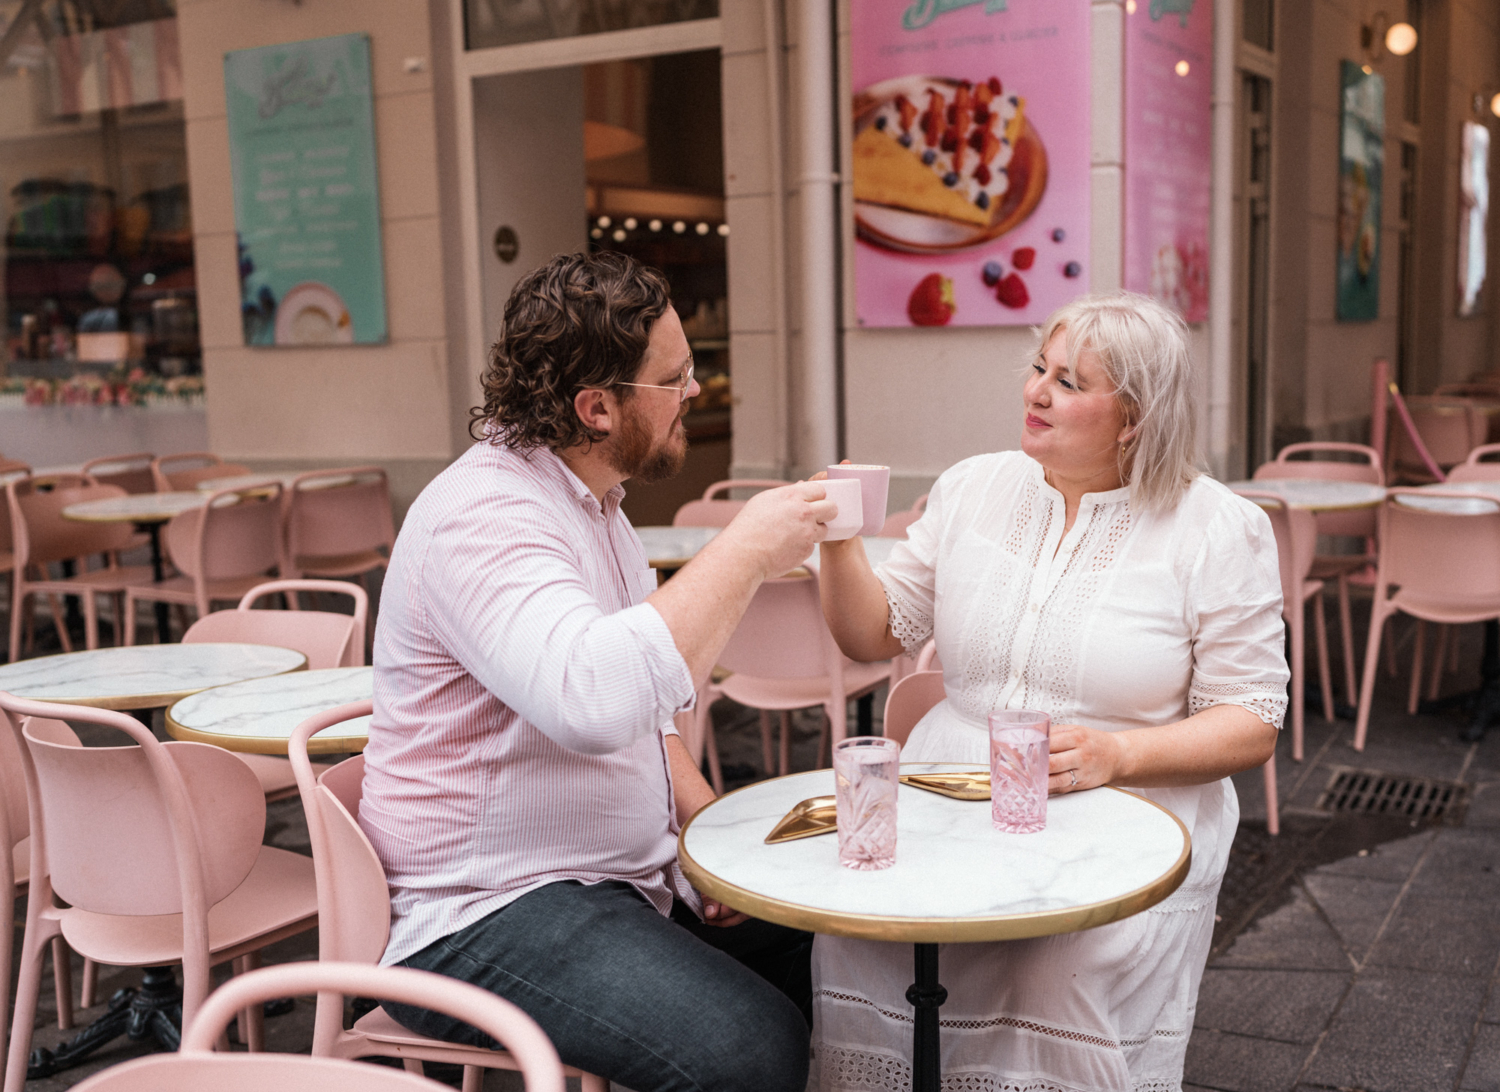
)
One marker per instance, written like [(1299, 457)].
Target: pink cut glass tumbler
[(865, 771), (1020, 746)]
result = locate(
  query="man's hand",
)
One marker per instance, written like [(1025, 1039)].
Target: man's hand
[(717, 914), (780, 527)]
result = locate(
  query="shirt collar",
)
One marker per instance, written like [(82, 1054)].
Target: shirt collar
[(575, 485)]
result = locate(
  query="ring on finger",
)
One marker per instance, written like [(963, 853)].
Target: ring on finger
[(1074, 783)]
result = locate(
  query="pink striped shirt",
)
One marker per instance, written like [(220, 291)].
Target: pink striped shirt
[(523, 695)]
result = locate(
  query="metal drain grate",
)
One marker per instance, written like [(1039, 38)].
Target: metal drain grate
[(1370, 792)]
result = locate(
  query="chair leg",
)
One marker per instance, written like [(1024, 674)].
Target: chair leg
[(1390, 654), (412, 1065), (1446, 636), (783, 765), (588, 1082), (1299, 679), (90, 988), (28, 986), (1414, 691), (473, 1079), (1273, 805), (765, 741), (1367, 680), (62, 981), (60, 622), (17, 617), (130, 602), (1346, 632), (252, 1020), (90, 620), (1325, 677)]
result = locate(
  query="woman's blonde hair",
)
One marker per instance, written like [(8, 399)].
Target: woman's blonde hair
[(1142, 347)]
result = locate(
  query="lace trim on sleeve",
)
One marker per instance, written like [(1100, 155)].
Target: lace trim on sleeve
[(1265, 701), (909, 625)]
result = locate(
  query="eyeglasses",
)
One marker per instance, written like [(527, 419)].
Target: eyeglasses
[(681, 387)]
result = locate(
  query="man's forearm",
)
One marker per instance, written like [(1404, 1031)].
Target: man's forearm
[(689, 788)]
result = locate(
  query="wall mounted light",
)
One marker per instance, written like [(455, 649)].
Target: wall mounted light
[(1380, 36), (1495, 105)]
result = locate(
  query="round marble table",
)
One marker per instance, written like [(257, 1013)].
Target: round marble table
[(257, 716), (143, 676), (1436, 501), (249, 481), (1317, 494), (674, 547), (1106, 854)]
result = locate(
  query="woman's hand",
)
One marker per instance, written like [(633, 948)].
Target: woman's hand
[(1083, 758)]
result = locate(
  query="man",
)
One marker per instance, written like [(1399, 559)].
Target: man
[(524, 785)]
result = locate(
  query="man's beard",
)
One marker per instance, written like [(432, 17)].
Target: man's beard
[(632, 453)]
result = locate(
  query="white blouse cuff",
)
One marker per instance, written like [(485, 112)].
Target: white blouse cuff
[(1266, 702), (909, 625)]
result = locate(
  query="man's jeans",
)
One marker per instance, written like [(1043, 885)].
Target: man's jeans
[(656, 1004)]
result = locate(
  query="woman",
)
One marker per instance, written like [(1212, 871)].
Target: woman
[(1097, 576)]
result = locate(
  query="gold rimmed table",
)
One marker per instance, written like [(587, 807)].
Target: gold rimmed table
[(148, 511), (1106, 854), (257, 716), (1317, 494), (143, 676)]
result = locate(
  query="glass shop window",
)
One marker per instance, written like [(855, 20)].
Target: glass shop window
[(97, 250), (509, 22)]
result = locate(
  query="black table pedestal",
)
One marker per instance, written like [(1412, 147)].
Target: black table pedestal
[(152, 1012), (926, 995)]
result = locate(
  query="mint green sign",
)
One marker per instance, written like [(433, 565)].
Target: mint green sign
[(306, 200)]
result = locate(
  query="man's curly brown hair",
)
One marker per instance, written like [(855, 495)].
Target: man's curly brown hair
[(581, 320)]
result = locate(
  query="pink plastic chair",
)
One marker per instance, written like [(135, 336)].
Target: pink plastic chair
[(710, 511), (223, 549), (1477, 467), (1450, 428), (182, 472), (156, 851), (327, 640), (782, 657), (196, 1067), (1443, 568), (896, 524), (42, 536), (927, 658), (909, 701), (1357, 523), (131, 473), (343, 529), (1296, 538), (355, 920), (15, 872)]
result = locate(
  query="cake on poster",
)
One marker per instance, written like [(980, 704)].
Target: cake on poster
[(970, 160)]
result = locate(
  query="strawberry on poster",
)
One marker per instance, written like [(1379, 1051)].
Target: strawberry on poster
[(1023, 67), (1168, 151)]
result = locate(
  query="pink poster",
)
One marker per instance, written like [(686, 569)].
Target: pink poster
[(1168, 150), (971, 160)]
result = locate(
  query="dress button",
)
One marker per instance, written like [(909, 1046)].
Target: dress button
[(1035, 607)]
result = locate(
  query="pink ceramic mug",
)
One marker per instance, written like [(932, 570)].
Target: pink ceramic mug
[(845, 494), (875, 486)]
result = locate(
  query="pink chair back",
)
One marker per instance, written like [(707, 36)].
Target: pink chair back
[(196, 1066), (1360, 522), (927, 659), (710, 511), (182, 472), (131, 473), (909, 701), (338, 520), (232, 535), (782, 634), (1437, 556), (326, 638), (39, 532), (895, 525), (1475, 468)]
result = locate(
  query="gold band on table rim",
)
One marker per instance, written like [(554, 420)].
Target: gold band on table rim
[(125, 702), (1038, 923), (265, 745), (157, 516)]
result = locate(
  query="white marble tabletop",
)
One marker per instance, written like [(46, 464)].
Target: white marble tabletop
[(877, 549), (1454, 506), (1317, 494), (1106, 854), (259, 715), (135, 507), (142, 676), (673, 547)]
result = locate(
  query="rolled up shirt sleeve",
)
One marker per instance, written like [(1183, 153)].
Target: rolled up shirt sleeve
[(521, 619)]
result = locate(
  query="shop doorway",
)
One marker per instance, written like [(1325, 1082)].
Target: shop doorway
[(617, 153)]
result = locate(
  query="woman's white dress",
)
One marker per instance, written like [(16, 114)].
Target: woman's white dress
[(1130, 619)]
